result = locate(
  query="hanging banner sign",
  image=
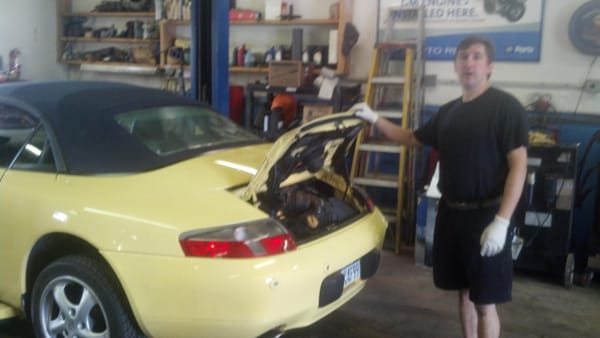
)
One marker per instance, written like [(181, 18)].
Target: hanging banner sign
[(514, 26)]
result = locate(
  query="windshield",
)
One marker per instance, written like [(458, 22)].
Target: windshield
[(173, 129)]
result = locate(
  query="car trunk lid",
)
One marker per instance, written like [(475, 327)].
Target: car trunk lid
[(316, 148)]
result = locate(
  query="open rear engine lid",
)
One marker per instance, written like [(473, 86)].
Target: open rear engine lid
[(301, 153)]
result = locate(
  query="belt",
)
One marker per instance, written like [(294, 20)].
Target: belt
[(474, 205)]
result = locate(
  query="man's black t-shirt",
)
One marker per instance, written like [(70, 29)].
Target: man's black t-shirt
[(473, 139)]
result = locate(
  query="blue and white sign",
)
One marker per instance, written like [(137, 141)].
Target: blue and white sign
[(514, 26)]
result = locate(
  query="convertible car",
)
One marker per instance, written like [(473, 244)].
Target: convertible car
[(132, 212)]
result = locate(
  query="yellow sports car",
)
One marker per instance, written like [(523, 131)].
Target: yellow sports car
[(131, 212)]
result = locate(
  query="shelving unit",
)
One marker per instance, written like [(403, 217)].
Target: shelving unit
[(294, 22), (169, 31), (339, 23), (74, 50)]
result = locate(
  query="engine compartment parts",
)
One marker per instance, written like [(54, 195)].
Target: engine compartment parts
[(307, 211)]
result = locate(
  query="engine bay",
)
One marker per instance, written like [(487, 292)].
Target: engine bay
[(310, 209)]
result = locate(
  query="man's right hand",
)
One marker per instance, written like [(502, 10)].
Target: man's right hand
[(363, 111)]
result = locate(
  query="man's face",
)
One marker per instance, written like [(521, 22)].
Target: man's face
[(473, 67)]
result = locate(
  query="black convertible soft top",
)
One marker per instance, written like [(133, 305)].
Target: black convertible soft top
[(80, 116)]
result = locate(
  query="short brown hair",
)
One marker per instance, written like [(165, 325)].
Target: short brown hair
[(474, 40)]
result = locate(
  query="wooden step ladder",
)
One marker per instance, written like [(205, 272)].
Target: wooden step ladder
[(392, 91)]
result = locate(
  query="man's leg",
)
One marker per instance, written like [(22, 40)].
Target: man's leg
[(468, 314), (477, 320), (488, 323)]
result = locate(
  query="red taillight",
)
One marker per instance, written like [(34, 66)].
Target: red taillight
[(214, 249), (278, 244), (361, 194), (254, 239), (370, 204)]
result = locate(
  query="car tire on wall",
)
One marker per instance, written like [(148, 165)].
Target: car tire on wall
[(490, 6), (515, 12), (79, 296)]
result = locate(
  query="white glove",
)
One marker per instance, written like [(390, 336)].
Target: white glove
[(363, 111), (493, 237)]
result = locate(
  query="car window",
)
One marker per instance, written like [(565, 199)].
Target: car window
[(16, 126), (36, 154), (167, 130)]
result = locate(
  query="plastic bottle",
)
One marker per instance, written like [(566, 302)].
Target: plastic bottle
[(249, 59), (234, 56), (317, 57), (270, 55), (284, 9), (240, 55), (305, 56), (279, 54)]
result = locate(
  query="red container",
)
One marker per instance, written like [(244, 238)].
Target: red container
[(236, 104)]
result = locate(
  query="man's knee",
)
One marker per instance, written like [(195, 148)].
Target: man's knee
[(484, 311)]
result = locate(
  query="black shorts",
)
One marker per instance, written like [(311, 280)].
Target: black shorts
[(457, 262)]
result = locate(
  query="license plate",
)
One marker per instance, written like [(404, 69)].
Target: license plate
[(351, 273)]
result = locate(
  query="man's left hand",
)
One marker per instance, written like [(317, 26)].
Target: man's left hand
[(493, 237)]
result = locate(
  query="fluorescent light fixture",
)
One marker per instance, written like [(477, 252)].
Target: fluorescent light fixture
[(33, 149)]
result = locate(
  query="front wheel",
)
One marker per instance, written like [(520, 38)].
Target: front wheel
[(77, 296)]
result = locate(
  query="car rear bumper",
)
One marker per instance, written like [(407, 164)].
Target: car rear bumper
[(212, 297)]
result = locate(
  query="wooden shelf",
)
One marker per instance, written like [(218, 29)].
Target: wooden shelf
[(177, 22), (82, 62), (113, 14), (295, 22), (237, 69), (249, 69), (109, 40), (139, 66)]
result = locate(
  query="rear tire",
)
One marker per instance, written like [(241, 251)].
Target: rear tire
[(79, 296)]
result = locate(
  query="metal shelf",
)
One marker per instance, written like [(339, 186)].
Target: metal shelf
[(112, 14)]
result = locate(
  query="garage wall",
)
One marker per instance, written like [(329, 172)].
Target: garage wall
[(30, 26), (561, 71)]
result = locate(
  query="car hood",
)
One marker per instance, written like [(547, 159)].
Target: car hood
[(316, 147)]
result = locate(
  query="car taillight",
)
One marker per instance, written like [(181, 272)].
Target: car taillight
[(362, 195), (370, 204), (253, 239)]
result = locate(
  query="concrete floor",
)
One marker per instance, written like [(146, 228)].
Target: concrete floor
[(401, 301)]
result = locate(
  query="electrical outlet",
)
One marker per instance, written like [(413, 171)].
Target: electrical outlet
[(592, 86)]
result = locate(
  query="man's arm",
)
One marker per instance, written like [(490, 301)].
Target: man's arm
[(396, 133), (494, 235), (389, 129), (513, 187)]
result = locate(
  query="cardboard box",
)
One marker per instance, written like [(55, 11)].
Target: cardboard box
[(243, 15), (272, 9), (311, 112), (334, 11), (285, 74)]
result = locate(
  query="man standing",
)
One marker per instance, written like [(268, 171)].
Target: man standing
[(481, 138)]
